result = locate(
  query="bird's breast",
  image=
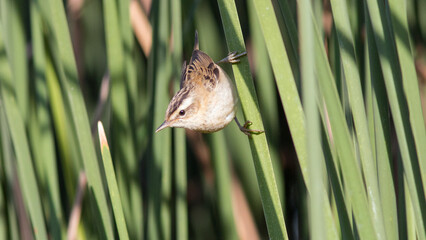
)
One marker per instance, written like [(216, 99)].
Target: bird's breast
[(219, 105)]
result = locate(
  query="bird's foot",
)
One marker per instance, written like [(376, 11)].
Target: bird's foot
[(232, 57), (247, 131)]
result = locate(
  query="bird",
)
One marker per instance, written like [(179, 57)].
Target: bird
[(207, 99)]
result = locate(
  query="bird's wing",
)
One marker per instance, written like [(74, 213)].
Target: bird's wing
[(201, 68)]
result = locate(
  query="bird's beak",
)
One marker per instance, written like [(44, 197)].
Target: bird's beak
[(164, 125)]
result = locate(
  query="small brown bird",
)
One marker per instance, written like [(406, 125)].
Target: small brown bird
[(207, 100)]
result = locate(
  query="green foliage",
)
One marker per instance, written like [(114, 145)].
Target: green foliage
[(336, 87)]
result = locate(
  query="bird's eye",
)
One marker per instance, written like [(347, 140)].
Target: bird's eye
[(182, 112)]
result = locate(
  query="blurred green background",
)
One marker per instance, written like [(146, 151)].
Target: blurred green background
[(338, 87)]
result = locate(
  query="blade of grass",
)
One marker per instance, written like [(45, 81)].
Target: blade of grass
[(12, 13), (132, 90), (337, 71), (42, 141), (179, 134), (17, 132), (343, 142), (335, 60), (166, 184), (130, 64), (267, 97), (8, 176), (65, 140), (392, 76), (309, 90), (136, 199), (222, 185), (291, 28), (180, 173), (288, 94), (120, 65), (112, 184), (410, 216), (398, 17), (262, 160), (243, 163), (210, 33), (397, 12), (159, 218), (283, 76), (264, 78), (330, 155), (380, 134), (131, 84), (292, 54), (65, 62), (356, 101)]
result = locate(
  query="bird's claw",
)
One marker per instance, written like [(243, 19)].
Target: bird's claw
[(247, 131), (233, 57), (247, 124)]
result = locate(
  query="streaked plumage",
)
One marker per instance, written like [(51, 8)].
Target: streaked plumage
[(206, 101)]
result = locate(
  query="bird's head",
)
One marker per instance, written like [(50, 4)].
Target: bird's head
[(182, 111)]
